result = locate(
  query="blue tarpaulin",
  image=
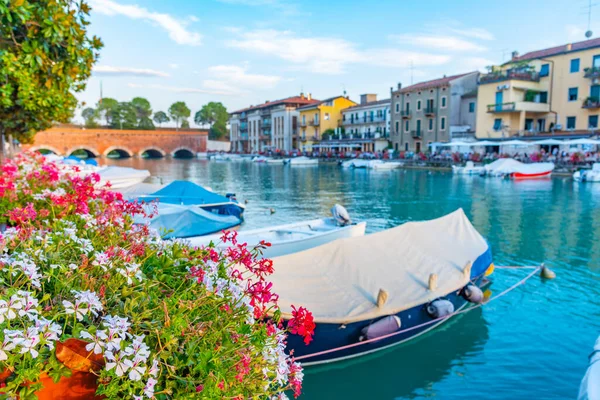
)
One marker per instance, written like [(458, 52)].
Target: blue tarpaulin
[(188, 221), (186, 193)]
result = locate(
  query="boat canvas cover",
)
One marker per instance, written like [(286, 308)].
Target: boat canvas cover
[(187, 221), (339, 282), (509, 166), (186, 193), (123, 174)]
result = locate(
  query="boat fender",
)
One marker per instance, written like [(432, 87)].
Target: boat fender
[(382, 297), (384, 326), (472, 294), (432, 282), (340, 214), (440, 308)]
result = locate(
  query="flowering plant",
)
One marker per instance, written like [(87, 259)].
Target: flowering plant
[(164, 320)]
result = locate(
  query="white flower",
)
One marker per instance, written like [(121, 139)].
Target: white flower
[(97, 342), (137, 369), (30, 342), (149, 388), (30, 304), (7, 345), (154, 368), (85, 302), (49, 331), (77, 309), (102, 260), (10, 309), (138, 348), (131, 271), (119, 362)]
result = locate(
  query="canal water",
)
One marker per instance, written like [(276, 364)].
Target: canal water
[(530, 344)]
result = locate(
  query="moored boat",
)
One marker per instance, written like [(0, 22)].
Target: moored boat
[(121, 177), (384, 165), (275, 161), (298, 161), (291, 238), (260, 159), (188, 193), (411, 279), (590, 384), (517, 170), (468, 169), (592, 175)]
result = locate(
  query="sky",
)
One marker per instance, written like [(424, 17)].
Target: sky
[(245, 52)]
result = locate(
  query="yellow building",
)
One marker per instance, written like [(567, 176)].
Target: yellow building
[(555, 90), (317, 118)]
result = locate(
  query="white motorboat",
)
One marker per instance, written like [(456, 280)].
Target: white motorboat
[(356, 163), (517, 170), (590, 384), (291, 238), (592, 175), (275, 161), (468, 169), (303, 161), (121, 177), (260, 159), (384, 165)]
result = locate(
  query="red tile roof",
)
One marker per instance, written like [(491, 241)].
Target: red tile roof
[(553, 51), (299, 100), (433, 83)]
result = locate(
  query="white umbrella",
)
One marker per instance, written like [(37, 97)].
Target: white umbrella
[(583, 141), (515, 143), (550, 141), (455, 144), (485, 143)]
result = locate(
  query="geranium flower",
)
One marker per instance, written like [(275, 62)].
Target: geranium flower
[(30, 342), (118, 361), (138, 368), (149, 388), (30, 304), (10, 309), (6, 346), (98, 341)]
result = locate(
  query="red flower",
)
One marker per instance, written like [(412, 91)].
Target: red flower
[(302, 323)]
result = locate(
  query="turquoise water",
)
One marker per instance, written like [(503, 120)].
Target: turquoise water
[(530, 344)]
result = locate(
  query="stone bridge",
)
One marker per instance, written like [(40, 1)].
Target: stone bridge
[(100, 142)]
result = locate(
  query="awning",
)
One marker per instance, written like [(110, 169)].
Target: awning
[(582, 141)]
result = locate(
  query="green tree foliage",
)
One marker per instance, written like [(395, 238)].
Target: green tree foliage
[(179, 112), (143, 112), (185, 124), (90, 115), (46, 56), (106, 108), (328, 134), (215, 115), (124, 116), (160, 117)]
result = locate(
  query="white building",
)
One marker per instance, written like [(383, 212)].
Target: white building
[(367, 124)]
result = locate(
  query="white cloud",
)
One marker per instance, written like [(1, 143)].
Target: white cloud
[(176, 28), (324, 54), (286, 7), (179, 89), (193, 18), (475, 63), (174, 66), (440, 42), (475, 33), (237, 75), (126, 71)]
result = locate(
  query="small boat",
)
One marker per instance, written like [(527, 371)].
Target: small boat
[(372, 292), (303, 161), (356, 163), (508, 167), (590, 384), (468, 169), (276, 161), (385, 165), (294, 237), (260, 159), (188, 193), (592, 175), (177, 221)]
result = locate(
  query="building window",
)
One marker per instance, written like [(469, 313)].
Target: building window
[(497, 124), (430, 127), (397, 108), (472, 107), (397, 126), (418, 105), (444, 102), (571, 122), (596, 61), (326, 117), (593, 122), (543, 97), (443, 123), (406, 146), (406, 126), (573, 94), (574, 65), (545, 70)]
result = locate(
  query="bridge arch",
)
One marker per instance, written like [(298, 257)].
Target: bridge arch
[(152, 152), (43, 149), (183, 152), (80, 151), (118, 152)]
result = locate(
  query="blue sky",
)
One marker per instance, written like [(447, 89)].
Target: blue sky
[(244, 52)]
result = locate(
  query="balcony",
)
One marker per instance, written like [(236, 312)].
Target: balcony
[(429, 111), (303, 139), (592, 73), (266, 125), (314, 122), (530, 76), (303, 123), (416, 134), (527, 106), (265, 137), (591, 102), (406, 114)]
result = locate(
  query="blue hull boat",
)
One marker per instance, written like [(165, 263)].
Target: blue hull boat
[(190, 194), (374, 292)]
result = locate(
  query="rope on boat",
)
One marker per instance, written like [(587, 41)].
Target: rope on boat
[(433, 321)]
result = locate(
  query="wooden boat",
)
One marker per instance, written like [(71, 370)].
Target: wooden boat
[(590, 384), (290, 238), (373, 292)]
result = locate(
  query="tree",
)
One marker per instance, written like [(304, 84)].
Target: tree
[(215, 115), (178, 112), (124, 116), (143, 111), (185, 124), (106, 108), (90, 115), (160, 117), (46, 56)]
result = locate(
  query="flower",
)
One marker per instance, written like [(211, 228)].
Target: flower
[(302, 323), (85, 302), (7, 345), (118, 361), (10, 309), (30, 304), (137, 369), (98, 341), (149, 388)]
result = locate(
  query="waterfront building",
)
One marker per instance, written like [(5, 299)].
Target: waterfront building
[(434, 111), (320, 118), (272, 125), (551, 91), (365, 127)]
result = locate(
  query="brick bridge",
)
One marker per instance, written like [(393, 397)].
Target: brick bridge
[(98, 142)]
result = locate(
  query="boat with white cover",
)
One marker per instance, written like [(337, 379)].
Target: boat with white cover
[(372, 292), (275, 161), (592, 175), (518, 170), (356, 163), (590, 384), (468, 169), (291, 238), (121, 177), (299, 161), (384, 165), (260, 159)]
